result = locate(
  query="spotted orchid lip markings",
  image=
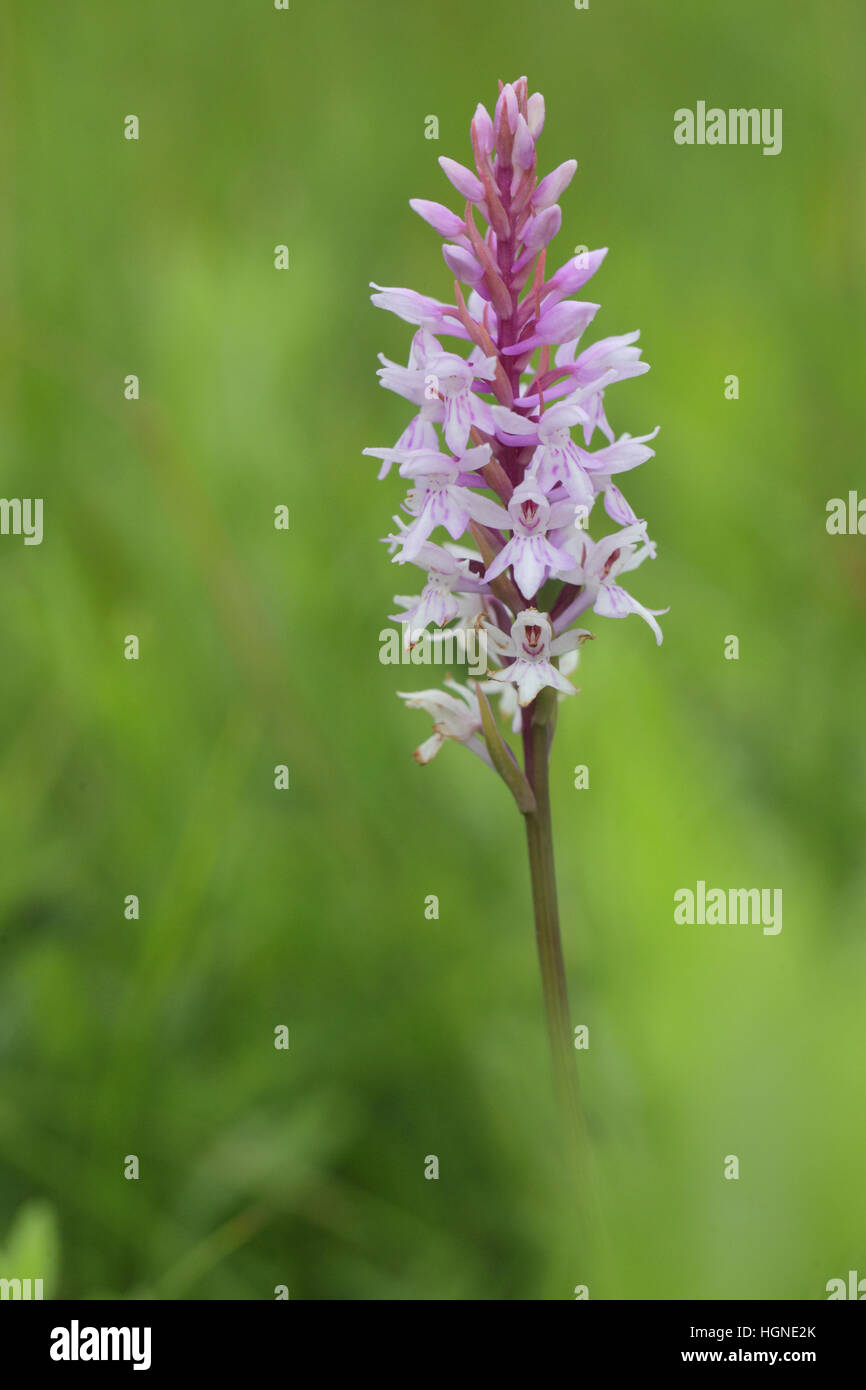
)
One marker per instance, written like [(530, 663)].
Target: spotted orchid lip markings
[(532, 646), (530, 516), (601, 563), (502, 479)]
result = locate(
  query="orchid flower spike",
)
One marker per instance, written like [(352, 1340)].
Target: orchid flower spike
[(506, 398)]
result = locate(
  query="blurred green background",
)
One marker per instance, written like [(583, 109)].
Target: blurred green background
[(306, 907)]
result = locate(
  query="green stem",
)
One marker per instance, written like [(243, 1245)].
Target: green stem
[(539, 834)]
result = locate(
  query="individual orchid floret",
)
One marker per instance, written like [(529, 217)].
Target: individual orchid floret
[(599, 565), (464, 266), (570, 278), (535, 114), (482, 131), (419, 309), (598, 366), (440, 499), (450, 378), (454, 716), (506, 113), (532, 645), (437, 603), (440, 218), (530, 554), (442, 383), (619, 457), (463, 179), (452, 591), (619, 353), (552, 187), (561, 321), (408, 382), (510, 708), (538, 232), (556, 460), (522, 149), (419, 436)]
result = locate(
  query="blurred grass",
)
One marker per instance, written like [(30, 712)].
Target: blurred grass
[(259, 647)]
